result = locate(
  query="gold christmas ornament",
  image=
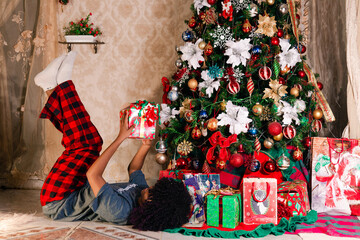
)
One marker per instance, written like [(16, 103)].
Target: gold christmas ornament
[(295, 91), (267, 25), (270, 2), (268, 143), (184, 148), (185, 106), (193, 83), (318, 113), (212, 124), (257, 109), (223, 105), (278, 137), (276, 91), (161, 158), (202, 45), (188, 115), (287, 36)]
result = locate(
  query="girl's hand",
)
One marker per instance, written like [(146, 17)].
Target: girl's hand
[(146, 142), (125, 131)]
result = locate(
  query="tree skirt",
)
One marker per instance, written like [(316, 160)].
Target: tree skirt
[(248, 230)]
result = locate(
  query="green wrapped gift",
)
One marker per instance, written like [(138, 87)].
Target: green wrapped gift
[(223, 209)]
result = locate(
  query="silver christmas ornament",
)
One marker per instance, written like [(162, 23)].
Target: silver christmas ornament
[(160, 146), (161, 158), (173, 95), (283, 8), (283, 162), (177, 48), (178, 63)]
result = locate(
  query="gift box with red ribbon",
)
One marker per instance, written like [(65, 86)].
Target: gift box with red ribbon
[(143, 115), (294, 195), (260, 200)]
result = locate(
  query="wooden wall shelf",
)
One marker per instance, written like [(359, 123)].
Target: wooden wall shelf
[(69, 44)]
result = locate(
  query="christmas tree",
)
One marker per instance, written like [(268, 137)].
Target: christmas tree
[(242, 86)]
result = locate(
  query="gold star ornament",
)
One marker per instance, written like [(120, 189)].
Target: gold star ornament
[(267, 25), (276, 91)]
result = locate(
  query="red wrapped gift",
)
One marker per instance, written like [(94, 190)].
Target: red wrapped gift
[(176, 174), (260, 200), (294, 195), (143, 115)]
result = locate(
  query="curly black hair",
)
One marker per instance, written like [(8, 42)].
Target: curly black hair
[(168, 206)]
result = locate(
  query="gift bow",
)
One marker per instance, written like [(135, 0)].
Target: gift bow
[(147, 111), (223, 142), (166, 89), (222, 192)]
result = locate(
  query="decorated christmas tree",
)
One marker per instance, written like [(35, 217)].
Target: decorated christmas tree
[(242, 87)]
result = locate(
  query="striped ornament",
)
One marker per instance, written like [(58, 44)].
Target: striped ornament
[(289, 132), (206, 167), (265, 73), (257, 145), (316, 125), (233, 87), (250, 86)]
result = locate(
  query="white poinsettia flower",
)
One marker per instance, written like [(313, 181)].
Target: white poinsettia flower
[(199, 4), (236, 117), (192, 53), (167, 113), (238, 52), (289, 113), (288, 57), (210, 84), (300, 105)]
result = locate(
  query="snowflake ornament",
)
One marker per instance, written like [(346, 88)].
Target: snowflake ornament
[(255, 34), (192, 53), (238, 74), (209, 83), (240, 4), (238, 52), (221, 36), (167, 113), (199, 4), (289, 113), (236, 117), (289, 57)]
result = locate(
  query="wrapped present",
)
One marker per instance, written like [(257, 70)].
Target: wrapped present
[(335, 176), (176, 174), (207, 182), (294, 195), (143, 115), (260, 200), (223, 207), (197, 216)]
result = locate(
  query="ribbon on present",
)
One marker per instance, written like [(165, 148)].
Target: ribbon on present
[(321, 101), (147, 111), (166, 89), (228, 191), (291, 5), (223, 142)]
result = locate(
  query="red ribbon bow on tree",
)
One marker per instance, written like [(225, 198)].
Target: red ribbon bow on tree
[(166, 89), (223, 142)]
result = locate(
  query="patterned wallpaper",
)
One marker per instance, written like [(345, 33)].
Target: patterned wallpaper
[(140, 39)]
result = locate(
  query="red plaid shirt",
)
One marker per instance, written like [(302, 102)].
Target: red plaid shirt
[(81, 140)]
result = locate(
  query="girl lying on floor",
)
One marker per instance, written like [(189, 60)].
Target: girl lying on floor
[(75, 188)]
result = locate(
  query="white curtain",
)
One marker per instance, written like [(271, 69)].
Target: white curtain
[(352, 130)]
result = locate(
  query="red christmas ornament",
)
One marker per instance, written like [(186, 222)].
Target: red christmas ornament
[(196, 133), (297, 155), (192, 22), (320, 85), (281, 80), (236, 160), (301, 74), (211, 2), (209, 49), (302, 49), (181, 163), (289, 132), (233, 87), (307, 142), (265, 73), (270, 166), (274, 128), (280, 33), (246, 27), (241, 148), (316, 125), (275, 41)]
